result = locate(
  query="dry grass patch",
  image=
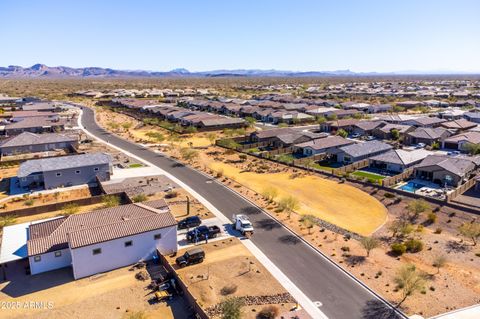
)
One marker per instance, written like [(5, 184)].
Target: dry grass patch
[(339, 204)]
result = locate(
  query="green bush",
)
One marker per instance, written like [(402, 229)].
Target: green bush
[(29, 202), (398, 249), (414, 245), (389, 195)]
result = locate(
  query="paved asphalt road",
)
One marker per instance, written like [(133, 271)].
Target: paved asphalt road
[(318, 278)]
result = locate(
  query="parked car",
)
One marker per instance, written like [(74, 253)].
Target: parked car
[(202, 233), (420, 145), (355, 135), (369, 138), (189, 222), (453, 153), (192, 256)]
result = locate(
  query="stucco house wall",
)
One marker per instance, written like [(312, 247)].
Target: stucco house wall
[(49, 261), (76, 176), (114, 254)]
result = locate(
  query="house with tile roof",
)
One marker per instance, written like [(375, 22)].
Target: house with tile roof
[(426, 135), (357, 152), (102, 240), (446, 170), (329, 145), (65, 171), (33, 143), (396, 161), (459, 125), (462, 141)]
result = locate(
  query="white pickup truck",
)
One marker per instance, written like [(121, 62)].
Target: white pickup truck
[(242, 224)]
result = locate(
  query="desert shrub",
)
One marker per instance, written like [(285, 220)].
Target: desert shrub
[(431, 218), (139, 198), (269, 312), (70, 209), (345, 248), (111, 201), (219, 173), (7, 220), (29, 202), (171, 194), (229, 289), (231, 308), (414, 245), (438, 231), (398, 249)]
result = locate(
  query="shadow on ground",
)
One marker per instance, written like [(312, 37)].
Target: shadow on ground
[(376, 309)]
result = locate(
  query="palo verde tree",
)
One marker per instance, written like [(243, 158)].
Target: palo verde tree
[(471, 231), (439, 262), (417, 207), (308, 221), (369, 243), (289, 204), (270, 193), (409, 280)]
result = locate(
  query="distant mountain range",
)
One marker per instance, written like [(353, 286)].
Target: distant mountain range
[(44, 71)]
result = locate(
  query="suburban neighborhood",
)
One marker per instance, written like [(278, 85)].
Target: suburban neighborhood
[(240, 160)]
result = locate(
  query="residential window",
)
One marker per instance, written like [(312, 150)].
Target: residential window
[(96, 169), (77, 172), (58, 174), (97, 251), (58, 253), (37, 258), (157, 236), (128, 243)]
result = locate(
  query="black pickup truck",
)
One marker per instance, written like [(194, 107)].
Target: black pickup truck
[(202, 233)]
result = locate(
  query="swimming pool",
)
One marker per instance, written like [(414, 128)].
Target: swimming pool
[(411, 187)]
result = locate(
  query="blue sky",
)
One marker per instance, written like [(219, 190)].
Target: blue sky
[(366, 35)]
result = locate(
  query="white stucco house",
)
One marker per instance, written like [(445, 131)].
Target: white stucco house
[(103, 239)]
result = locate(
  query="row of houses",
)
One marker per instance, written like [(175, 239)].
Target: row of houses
[(200, 120), (381, 155), (35, 117), (277, 112)]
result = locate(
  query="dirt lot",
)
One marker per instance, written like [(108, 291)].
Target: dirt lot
[(228, 262), (44, 199), (178, 205), (109, 296)]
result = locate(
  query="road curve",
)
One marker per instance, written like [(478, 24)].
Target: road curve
[(340, 295)]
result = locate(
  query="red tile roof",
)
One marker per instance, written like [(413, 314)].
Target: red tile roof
[(97, 226)]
